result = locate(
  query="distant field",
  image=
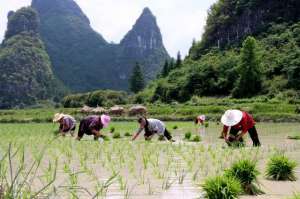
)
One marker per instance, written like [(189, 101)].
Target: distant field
[(119, 168), (262, 110)]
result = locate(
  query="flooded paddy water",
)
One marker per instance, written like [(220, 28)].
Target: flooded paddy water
[(120, 168)]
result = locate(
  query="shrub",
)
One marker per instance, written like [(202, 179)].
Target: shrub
[(116, 135), (246, 172), (197, 138), (279, 167), (222, 187), (188, 135), (127, 134)]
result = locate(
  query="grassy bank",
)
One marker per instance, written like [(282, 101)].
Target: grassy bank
[(262, 110)]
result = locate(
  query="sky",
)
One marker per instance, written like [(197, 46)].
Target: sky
[(180, 21)]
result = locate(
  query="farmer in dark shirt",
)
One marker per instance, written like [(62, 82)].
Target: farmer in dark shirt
[(92, 125), (239, 121)]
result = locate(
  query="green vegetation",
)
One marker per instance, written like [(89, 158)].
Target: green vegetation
[(96, 98), (294, 137), (136, 81), (249, 82), (25, 69), (187, 135), (222, 187), (196, 138), (280, 167), (295, 196), (116, 135), (246, 172)]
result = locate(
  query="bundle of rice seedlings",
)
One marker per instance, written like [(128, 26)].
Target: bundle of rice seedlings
[(246, 172), (127, 134), (187, 135), (116, 135), (294, 137), (112, 129), (280, 167), (196, 138), (175, 127), (224, 187)]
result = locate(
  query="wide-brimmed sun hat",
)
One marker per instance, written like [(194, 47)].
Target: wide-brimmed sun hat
[(57, 117), (232, 117), (202, 117), (105, 120)]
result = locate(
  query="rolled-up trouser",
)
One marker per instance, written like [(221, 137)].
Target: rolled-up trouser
[(252, 132)]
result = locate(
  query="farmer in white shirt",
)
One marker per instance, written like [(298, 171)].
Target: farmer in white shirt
[(152, 127)]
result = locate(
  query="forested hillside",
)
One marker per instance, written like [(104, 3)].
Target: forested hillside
[(227, 63), (25, 69)]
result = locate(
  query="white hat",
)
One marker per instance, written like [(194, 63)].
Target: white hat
[(201, 117), (232, 117), (58, 117)]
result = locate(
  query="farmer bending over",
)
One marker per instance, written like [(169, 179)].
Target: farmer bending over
[(67, 123), (91, 125), (152, 127), (200, 120), (239, 121)]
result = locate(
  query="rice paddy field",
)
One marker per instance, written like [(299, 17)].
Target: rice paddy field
[(35, 163)]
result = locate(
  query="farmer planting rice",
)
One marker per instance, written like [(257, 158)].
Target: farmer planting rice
[(152, 127), (91, 125), (237, 121), (201, 121), (67, 123)]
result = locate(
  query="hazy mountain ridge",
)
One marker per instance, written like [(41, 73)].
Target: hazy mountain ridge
[(81, 57)]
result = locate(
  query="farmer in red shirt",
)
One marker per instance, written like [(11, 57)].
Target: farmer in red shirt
[(239, 121)]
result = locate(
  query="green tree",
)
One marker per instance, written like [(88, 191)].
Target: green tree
[(250, 79), (136, 81), (166, 69), (178, 63)]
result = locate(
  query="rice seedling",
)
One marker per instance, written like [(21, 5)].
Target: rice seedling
[(112, 129), (175, 127), (127, 134), (116, 135), (196, 138), (280, 167), (182, 176), (246, 172), (294, 137), (167, 183), (187, 135), (221, 187)]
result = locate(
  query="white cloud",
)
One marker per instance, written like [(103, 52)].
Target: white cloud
[(179, 21)]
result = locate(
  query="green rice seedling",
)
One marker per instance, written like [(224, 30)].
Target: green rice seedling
[(280, 167), (102, 187), (112, 129), (167, 183), (182, 176), (175, 127), (150, 189), (206, 124), (187, 135), (116, 135), (246, 172), (127, 134), (196, 138), (222, 187), (294, 137), (122, 183), (161, 138)]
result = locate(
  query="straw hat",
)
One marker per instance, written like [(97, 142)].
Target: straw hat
[(105, 120), (57, 117), (232, 117)]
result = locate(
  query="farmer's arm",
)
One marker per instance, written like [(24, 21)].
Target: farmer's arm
[(225, 131), (138, 132), (244, 130)]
